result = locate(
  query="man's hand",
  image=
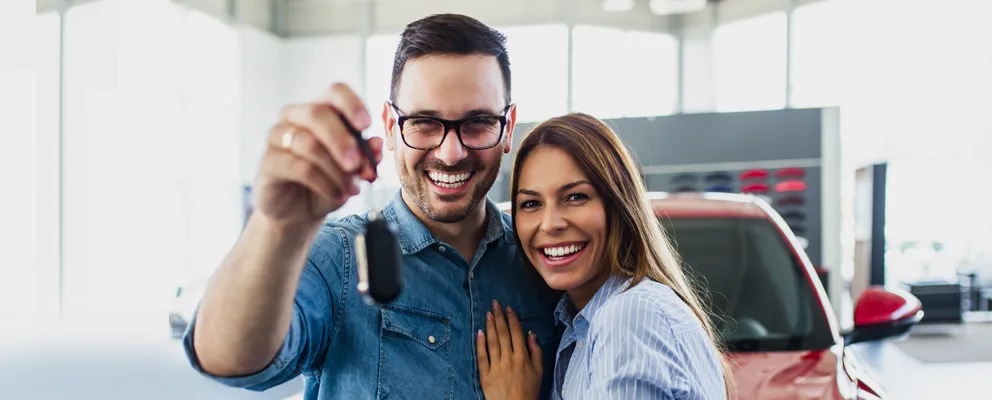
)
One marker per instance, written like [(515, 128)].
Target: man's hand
[(313, 164), (509, 371), (309, 169)]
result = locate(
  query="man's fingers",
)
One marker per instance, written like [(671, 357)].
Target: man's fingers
[(536, 358), (480, 355), (516, 332), (304, 145), (492, 338), (287, 167), (506, 348), (325, 123), (350, 104), (368, 173)]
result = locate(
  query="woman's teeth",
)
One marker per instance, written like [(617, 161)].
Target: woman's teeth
[(449, 181), (562, 251)]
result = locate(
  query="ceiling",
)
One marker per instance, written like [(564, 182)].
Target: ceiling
[(294, 18)]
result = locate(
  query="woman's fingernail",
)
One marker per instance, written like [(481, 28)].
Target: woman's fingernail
[(509, 310), (480, 333), (495, 305), (489, 315)]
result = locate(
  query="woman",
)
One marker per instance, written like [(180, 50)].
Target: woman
[(634, 326)]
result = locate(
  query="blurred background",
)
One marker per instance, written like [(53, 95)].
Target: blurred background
[(132, 131)]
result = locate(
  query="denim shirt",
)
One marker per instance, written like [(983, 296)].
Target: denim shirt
[(422, 346), (641, 343)]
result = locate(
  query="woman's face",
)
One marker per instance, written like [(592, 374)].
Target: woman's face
[(561, 222)]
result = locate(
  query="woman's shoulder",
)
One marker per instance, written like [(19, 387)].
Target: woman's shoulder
[(654, 300)]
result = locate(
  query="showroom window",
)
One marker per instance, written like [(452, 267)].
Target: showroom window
[(750, 63), (29, 168), (818, 65), (152, 185), (618, 73), (379, 53), (539, 62)]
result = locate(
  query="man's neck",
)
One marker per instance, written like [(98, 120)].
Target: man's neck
[(465, 235)]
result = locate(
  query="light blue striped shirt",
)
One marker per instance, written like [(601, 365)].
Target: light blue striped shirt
[(643, 343)]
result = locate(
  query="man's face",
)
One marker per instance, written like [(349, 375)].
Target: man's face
[(449, 181)]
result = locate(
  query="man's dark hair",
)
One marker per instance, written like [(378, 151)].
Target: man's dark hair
[(449, 34)]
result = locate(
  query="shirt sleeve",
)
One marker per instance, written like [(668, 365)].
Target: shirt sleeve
[(312, 324), (646, 349)]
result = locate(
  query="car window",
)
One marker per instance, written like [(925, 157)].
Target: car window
[(759, 295)]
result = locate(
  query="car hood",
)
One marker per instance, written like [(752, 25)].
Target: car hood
[(786, 375)]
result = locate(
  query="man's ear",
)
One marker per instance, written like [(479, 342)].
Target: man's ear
[(388, 123), (511, 122)]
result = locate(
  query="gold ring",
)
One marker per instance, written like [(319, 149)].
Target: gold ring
[(287, 139)]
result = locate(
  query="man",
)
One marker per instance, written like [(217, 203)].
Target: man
[(284, 301)]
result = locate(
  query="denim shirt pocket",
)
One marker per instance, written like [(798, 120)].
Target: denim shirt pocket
[(414, 355)]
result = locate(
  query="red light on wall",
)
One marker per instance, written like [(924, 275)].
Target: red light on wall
[(755, 188), (754, 174), (791, 173), (790, 186)]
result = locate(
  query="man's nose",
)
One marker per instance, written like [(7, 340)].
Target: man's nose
[(451, 151)]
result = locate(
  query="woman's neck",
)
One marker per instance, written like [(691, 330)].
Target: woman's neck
[(581, 295)]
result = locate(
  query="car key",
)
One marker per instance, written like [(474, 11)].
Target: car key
[(380, 278)]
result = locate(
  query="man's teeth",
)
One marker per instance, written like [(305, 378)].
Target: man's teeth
[(449, 180), (562, 251)]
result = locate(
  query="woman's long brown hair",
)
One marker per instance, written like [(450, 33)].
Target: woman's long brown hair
[(634, 235)]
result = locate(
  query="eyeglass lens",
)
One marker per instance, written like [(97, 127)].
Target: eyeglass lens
[(480, 132)]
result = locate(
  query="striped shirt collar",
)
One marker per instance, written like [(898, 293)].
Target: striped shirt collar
[(613, 285)]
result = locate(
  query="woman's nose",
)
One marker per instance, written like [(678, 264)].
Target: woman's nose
[(553, 221)]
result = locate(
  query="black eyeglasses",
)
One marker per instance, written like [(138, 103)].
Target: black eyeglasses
[(478, 132)]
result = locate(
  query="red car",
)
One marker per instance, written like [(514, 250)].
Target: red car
[(771, 307)]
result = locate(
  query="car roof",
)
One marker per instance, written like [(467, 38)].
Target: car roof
[(704, 205), (699, 205)]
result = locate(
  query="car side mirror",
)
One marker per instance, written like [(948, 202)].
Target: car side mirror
[(884, 314)]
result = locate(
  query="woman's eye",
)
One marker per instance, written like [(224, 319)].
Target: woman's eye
[(527, 204), (577, 197)]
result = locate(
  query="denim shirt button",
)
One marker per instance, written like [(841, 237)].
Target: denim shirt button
[(471, 275), (440, 248), (430, 339)]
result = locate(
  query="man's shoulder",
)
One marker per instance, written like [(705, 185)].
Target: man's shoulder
[(507, 220), (336, 235)]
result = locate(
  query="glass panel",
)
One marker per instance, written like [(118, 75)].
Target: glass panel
[(749, 63), (617, 73), (539, 63)]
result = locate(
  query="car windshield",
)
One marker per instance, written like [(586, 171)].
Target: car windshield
[(760, 295)]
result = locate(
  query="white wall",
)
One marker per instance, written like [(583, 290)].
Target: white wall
[(262, 93), (20, 101), (311, 65)]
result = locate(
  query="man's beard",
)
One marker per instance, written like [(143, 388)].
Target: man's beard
[(416, 184)]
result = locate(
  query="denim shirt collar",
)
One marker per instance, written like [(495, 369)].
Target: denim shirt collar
[(413, 236), (613, 285)]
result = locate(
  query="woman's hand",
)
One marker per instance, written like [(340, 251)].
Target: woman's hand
[(509, 371)]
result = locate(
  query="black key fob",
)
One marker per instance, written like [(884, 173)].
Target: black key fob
[(380, 278)]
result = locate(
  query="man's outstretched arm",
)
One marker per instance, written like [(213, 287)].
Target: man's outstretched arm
[(264, 302)]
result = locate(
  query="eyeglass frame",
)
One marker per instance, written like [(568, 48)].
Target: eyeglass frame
[(450, 125)]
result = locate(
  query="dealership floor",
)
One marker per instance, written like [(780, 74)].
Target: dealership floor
[(151, 366), (923, 366)]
